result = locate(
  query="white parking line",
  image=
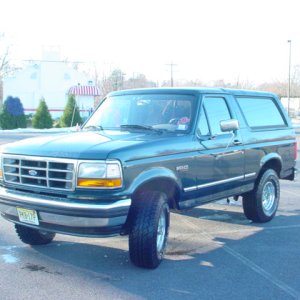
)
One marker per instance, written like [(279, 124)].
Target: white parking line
[(289, 290), (255, 229), (12, 247), (9, 259), (289, 192), (281, 285)]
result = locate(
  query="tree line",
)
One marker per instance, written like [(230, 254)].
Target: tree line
[(117, 80), (12, 115)]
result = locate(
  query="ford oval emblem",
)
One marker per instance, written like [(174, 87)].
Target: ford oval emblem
[(32, 172)]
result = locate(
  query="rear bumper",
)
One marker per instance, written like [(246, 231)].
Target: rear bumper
[(83, 218)]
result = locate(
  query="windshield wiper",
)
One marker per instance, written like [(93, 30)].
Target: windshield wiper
[(142, 127), (93, 127)]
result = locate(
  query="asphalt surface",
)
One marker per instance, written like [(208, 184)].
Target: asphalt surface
[(214, 252)]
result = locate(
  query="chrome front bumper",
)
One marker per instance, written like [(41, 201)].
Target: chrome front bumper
[(66, 216)]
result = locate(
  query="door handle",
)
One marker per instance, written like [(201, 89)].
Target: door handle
[(237, 142)]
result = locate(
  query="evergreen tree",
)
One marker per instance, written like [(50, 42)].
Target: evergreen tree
[(12, 115), (69, 114), (42, 118)]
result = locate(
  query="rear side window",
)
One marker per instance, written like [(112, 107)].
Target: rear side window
[(261, 112)]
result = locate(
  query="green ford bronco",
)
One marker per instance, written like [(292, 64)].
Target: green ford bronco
[(142, 153)]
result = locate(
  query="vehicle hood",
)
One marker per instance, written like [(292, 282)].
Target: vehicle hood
[(87, 145)]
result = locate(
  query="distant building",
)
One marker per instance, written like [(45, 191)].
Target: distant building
[(52, 80), (85, 96)]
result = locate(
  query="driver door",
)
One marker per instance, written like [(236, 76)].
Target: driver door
[(220, 158)]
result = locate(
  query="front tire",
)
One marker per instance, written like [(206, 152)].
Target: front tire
[(261, 204), (33, 236), (149, 229)]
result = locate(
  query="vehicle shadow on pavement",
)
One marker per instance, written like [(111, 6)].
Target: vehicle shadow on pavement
[(222, 213), (204, 257)]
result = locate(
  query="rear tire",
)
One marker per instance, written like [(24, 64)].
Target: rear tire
[(149, 229), (260, 205), (33, 236)]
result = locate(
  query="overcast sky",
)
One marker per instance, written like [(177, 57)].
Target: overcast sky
[(208, 40)]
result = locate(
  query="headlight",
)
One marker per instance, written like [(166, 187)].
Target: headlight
[(100, 174)]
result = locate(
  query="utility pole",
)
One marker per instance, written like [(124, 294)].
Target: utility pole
[(171, 69), (289, 84)]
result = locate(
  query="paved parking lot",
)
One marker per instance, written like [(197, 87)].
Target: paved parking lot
[(214, 252)]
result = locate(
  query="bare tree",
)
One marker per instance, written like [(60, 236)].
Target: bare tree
[(6, 67), (295, 82), (138, 80), (4, 57), (116, 80), (278, 87), (189, 83)]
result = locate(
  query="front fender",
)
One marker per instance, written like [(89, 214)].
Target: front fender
[(158, 173)]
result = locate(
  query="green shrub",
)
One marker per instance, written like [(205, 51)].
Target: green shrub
[(42, 118), (12, 114), (29, 120), (69, 114)]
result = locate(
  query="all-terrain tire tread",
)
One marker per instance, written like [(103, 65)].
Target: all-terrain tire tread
[(252, 200), (33, 236), (142, 238)]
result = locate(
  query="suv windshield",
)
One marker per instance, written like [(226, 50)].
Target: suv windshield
[(170, 112)]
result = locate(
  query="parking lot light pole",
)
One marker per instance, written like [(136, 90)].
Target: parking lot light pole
[(289, 83)]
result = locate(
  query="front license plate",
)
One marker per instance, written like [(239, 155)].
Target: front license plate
[(28, 216)]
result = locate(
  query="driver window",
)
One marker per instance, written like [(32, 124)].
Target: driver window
[(203, 128), (217, 110)]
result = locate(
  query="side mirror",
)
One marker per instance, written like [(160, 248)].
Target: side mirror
[(229, 125)]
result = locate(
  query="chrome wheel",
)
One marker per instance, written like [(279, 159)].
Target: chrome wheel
[(161, 232), (268, 198), (260, 205)]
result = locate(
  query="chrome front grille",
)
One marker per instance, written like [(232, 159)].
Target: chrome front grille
[(51, 173)]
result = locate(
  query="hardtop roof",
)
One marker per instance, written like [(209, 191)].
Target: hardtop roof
[(193, 90)]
